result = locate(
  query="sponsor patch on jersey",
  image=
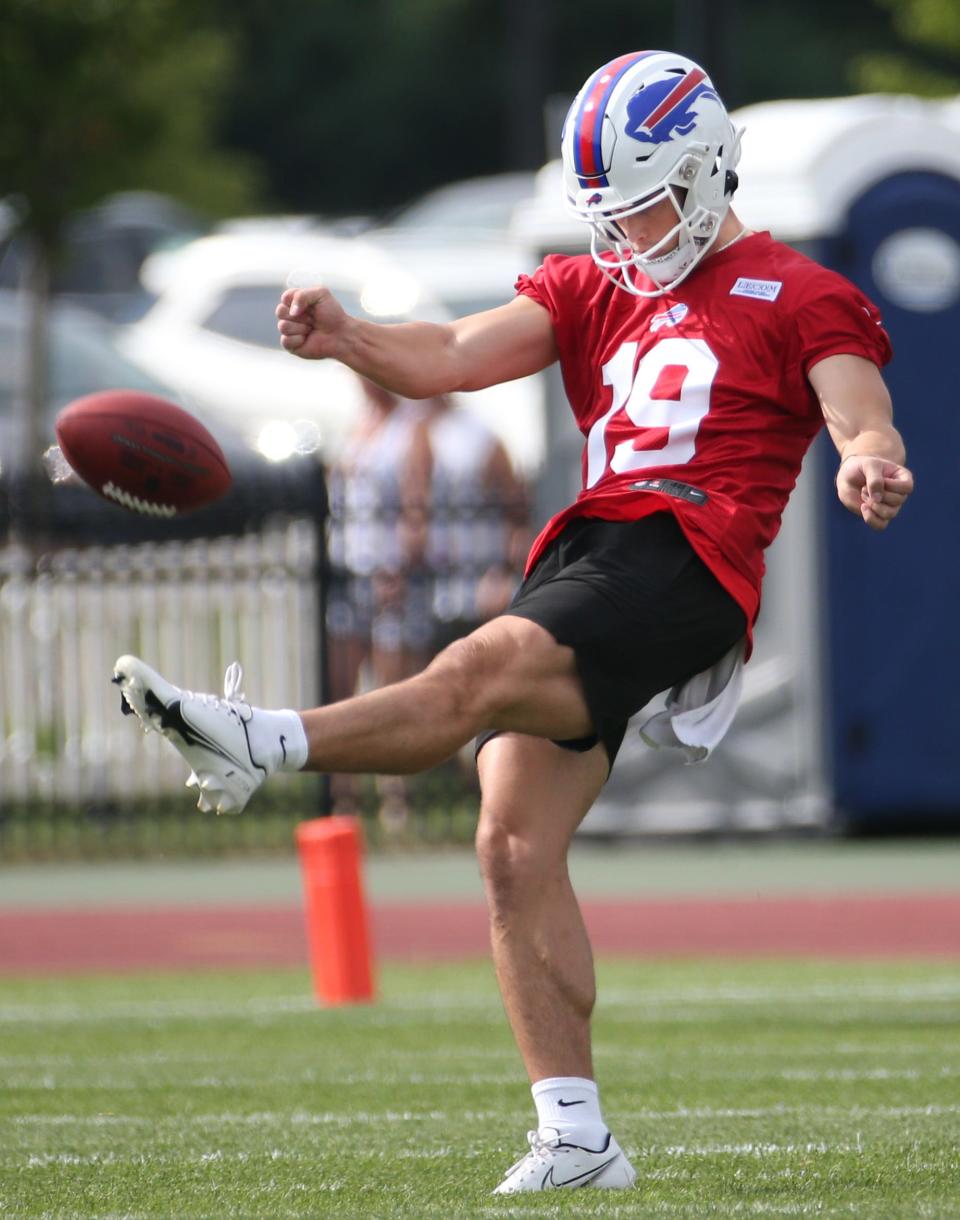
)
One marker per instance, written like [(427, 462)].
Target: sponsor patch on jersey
[(673, 316), (765, 290)]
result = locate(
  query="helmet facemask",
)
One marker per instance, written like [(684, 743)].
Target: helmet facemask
[(670, 260), (633, 169)]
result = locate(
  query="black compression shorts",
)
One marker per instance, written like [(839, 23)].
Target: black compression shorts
[(639, 608)]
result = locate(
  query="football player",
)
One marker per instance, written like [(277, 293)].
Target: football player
[(700, 360)]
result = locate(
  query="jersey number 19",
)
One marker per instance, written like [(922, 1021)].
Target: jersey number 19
[(666, 398)]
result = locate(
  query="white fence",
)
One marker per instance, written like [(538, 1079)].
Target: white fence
[(187, 608)]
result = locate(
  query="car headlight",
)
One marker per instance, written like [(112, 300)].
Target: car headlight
[(280, 439)]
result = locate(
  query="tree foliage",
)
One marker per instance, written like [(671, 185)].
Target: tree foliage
[(97, 96), (930, 63), (103, 95), (358, 107), (362, 104)]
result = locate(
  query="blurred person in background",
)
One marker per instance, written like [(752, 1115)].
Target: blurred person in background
[(479, 533), (700, 360), (379, 616)]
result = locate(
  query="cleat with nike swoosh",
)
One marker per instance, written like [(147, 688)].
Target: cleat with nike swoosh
[(209, 731), (557, 1162)]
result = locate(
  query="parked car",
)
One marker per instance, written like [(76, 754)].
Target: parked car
[(104, 248), (83, 357), (542, 221), (213, 334), (458, 240), (469, 207)]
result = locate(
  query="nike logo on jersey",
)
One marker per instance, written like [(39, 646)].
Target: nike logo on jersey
[(763, 290)]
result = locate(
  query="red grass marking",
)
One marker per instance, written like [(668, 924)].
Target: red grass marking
[(174, 938)]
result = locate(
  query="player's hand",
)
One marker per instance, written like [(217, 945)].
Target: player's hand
[(873, 488), (311, 322)]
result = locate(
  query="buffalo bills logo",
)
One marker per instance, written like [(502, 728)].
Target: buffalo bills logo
[(596, 197), (668, 107), (673, 316)]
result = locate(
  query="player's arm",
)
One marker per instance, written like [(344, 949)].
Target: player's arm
[(872, 480), (420, 359)]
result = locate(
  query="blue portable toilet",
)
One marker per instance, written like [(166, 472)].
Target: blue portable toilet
[(871, 187)]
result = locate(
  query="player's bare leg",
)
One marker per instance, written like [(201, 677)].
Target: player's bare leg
[(510, 673), (533, 796)]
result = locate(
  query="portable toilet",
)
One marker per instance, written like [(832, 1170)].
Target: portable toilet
[(870, 186)]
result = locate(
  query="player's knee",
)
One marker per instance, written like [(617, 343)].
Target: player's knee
[(511, 865), (466, 672)]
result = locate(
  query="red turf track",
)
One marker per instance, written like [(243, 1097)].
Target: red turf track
[(116, 939)]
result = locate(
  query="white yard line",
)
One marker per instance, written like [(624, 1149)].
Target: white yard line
[(776, 1111), (443, 1003), (300, 1118)]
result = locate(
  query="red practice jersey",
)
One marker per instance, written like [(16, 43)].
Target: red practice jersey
[(706, 385)]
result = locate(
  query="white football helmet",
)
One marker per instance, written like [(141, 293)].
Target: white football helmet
[(645, 127)]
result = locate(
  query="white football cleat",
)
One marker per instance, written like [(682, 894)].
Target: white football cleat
[(555, 1162), (210, 731)]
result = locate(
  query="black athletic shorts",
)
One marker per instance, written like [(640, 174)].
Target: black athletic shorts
[(638, 606)]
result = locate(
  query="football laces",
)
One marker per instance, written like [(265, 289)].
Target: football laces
[(136, 504)]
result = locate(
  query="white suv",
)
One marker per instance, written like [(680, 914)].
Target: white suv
[(212, 332)]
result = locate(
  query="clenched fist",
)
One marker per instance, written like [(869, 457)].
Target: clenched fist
[(873, 488), (312, 323)]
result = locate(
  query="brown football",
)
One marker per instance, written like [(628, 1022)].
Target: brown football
[(142, 452)]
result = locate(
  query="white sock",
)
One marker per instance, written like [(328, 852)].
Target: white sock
[(279, 738), (570, 1104)]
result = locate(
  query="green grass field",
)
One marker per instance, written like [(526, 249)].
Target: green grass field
[(746, 1089)]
